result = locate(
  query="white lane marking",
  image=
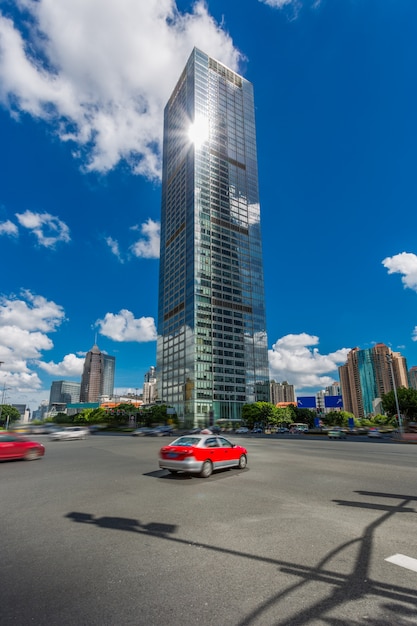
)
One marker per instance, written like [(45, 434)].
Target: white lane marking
[(403, 561)]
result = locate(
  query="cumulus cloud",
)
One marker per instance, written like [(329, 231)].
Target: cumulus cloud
[(123, 326), (8, 228), (71, 365), (296, 358), (25, 323), (148, 245), (101, 72), (48, 229), (405, 264)]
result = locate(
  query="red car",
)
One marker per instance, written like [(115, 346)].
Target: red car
[(15, 446), (201, 454)]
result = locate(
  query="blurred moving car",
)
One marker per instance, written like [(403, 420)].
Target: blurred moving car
[(43, 429), (242, 430), (336, 434), (374, 432), (201, 454), (16, 446), (161, 431), (72, 432), (142, 431)]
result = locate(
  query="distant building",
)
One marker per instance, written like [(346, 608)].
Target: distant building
[(98, 375), (366, 376), (333, 390), (41, 412), (23, 411), (149, 387), (64, 392), (281, 392), (412, 377)]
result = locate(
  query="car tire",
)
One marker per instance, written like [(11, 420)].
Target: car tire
[(31, 455), (242, 462), (207, 469)]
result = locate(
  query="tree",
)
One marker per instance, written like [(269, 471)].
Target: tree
[(8, 413), (91, 416), (305, 416), (63, 418), (339, 418), (407, 402), (259, 413)]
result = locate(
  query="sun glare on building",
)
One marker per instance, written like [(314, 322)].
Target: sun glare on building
[(198, 132)]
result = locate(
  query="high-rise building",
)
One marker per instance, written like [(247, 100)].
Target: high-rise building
[(412, 377), (212, 346), (281, 392), (149, 387), (366, 376), (64, 392), (98, 375)]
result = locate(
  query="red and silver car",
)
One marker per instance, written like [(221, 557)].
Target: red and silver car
[(201, 454), (15, 446)]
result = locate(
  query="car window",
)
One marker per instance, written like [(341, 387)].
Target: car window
[(8, 438), (211, 442), (225, 443), (186, 441)]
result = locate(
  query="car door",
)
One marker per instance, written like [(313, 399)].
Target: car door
[(9, 447), (227, 452), (213, 451)]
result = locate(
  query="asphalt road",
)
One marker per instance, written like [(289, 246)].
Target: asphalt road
[(95, 534)]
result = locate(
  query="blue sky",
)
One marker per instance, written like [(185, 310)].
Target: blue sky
[(82, 91)]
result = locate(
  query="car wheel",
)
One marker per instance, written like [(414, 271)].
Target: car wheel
[(242, 462), (207, 469), (31, 455)]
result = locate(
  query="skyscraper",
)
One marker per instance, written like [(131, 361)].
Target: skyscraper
[(64, 392), (366, 376), (212, 346), (98, 375)]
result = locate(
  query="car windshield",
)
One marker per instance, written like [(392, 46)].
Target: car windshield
[(186, 441)]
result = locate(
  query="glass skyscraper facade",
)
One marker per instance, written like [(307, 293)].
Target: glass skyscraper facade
[(212, 346)]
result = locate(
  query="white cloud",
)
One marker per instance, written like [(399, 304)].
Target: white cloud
[(71, 365), (24, 326), (114, 247), (123, 326), (278, 4), (48, 229), (31, 312), (8, 228), (148, 246), (296, 359), (102, 71), (405, 264)]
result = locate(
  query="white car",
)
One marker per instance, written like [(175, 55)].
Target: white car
[(242, 430), (72, 432)]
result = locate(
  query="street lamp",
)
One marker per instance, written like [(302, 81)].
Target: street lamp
[(400, 421)]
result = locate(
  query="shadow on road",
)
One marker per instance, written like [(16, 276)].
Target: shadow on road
[(343, 588)]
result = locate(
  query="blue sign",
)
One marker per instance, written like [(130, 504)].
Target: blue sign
[(307, 402), (333, 402)]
